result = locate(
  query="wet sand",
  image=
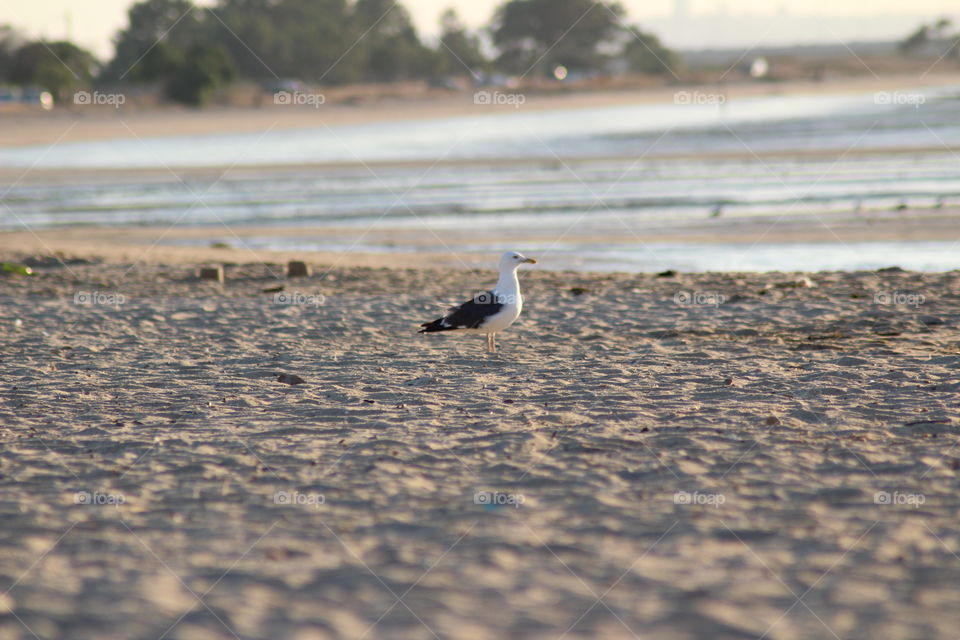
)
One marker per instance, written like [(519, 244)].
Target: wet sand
[(452, 248)]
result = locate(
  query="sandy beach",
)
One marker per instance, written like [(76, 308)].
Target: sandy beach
[(672, 455), (676, 456)]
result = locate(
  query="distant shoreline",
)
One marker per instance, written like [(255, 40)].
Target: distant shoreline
[(65, 125)]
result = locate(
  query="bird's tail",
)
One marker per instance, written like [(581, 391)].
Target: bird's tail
[(436, 325)]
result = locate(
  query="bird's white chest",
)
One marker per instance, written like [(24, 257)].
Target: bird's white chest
[(505, 317)]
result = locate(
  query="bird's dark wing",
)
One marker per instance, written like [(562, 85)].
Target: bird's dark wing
[(469, 315)]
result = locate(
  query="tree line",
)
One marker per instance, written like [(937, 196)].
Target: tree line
[(939, 37), (192, 51)]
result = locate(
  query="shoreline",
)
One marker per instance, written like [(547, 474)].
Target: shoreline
[(450, 249), (74, 125)]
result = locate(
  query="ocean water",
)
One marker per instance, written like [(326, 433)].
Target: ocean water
[(639, 169)]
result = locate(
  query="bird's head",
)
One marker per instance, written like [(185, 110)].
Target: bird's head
[(513, 259)]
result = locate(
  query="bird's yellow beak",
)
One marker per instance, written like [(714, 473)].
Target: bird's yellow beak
[(531, 261)]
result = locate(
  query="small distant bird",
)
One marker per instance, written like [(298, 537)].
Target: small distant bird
[(489, 311)]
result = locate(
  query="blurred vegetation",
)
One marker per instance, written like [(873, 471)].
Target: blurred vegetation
[(187, 52), (459, 49), (541, 35), (939, 38), (190, 51), (197, 75), (58, 67), (645, 54), (9, 43)]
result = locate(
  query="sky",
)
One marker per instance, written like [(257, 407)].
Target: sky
[(679, 23)]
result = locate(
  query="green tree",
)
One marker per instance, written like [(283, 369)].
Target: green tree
[(915, 41), (205, 68), (940, 33), (58, 67), (941, 27), (645, 54), (303, 39), (539, 35), (943, 30), (174, 44), (390, 48), (459, 51), (155, 41), (10, 41)]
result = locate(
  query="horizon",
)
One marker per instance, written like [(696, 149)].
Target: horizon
[(680, 24)]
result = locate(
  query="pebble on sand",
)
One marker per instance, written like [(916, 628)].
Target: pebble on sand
[(289, 378), (214, 272), (298, 269)]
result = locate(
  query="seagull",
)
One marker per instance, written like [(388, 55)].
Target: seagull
[(489, 311)]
